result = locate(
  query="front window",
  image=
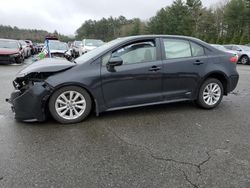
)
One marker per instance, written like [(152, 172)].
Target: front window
[(236, 48), (245, 48), (219, 47), (138, 52), (9, 44)]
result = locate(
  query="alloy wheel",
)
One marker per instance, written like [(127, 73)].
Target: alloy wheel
[(70, 105), (212, 94)]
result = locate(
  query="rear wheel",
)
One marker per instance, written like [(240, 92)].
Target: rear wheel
[(244, 60), (70, 104), (210, 94)]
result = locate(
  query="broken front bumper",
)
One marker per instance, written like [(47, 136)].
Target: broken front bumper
[(30, 105), (7, 59)]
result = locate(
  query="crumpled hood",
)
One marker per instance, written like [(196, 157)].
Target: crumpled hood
[(6, 51), (46, 65)]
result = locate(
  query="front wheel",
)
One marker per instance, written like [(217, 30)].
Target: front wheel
[(70, 104), (210, 94)]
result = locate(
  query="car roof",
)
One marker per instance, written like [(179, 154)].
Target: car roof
[(163, 36)]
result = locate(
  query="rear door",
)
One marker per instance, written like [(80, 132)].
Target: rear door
[(183, 64)]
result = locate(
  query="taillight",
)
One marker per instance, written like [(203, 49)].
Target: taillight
[(234, 59)]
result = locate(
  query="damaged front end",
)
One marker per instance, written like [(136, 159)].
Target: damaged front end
[(29, 99)]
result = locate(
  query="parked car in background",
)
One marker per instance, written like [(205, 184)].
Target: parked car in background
[(39, 47), (10, 52), (90, 44), (124, 73), (30, 44), (26, 48), (58, 48), (223, 48), (76, 48), (242, 51)]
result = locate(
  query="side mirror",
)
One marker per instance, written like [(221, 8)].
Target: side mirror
[(20, 47), (115, 61)]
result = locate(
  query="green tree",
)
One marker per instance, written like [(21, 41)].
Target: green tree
[(195, 11), (236, 19)]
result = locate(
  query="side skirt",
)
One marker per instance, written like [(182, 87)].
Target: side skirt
[(147, 104)]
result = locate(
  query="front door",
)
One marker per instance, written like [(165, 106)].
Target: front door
[(138, 80)]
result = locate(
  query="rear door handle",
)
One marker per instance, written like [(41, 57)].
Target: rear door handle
[(154, 68), (198, 62)]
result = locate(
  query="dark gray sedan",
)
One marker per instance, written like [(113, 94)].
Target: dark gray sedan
[(125, 73)]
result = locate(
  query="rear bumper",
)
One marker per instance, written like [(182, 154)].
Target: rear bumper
[(233, 81), (31, 104)]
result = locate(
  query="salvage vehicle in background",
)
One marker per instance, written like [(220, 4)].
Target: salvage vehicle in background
[(124, 73), (90, 44), (30, 44), (242, 51), (26, 48), (39, 47), (55, 49), (58, 48), (223, 48), (11, 52), (76, 48)]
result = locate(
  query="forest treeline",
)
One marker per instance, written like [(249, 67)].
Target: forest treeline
[(224, 23), (28, 34), (227, 22)]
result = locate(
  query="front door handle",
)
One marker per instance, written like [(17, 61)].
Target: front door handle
[(198, 62), (154, 68)]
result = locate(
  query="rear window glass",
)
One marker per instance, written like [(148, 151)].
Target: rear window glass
[(177, 48)]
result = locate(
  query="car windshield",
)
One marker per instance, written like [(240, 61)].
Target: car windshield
[(8, 44), (245, 48), (93, 42), (92, 54), (58, 46), (219, 47)]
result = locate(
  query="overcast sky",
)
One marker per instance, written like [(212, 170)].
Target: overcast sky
[(66, 16)]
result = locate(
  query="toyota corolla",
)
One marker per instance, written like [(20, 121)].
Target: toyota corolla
[(124, 73)]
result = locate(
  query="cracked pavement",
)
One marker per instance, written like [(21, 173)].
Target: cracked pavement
[(173, 145)]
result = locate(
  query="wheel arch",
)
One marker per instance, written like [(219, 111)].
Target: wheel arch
[(222, 77), (243, 55), (92, 96)]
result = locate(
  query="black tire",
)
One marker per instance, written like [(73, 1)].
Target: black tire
[(244, 60), (19, 60), (201, 101), (56, 94)]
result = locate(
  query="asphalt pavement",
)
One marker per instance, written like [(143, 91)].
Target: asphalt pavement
[(173, 145)]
